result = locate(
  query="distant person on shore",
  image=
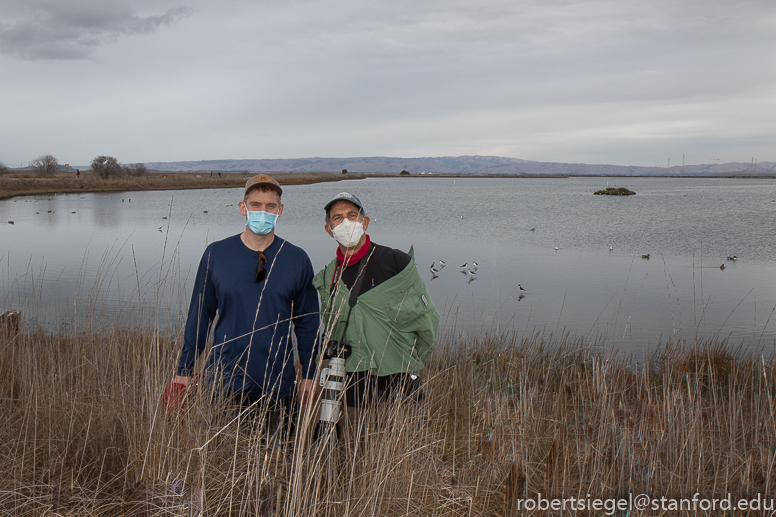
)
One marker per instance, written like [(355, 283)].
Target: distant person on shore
[(258, 284), (78, 173), (392, 327)]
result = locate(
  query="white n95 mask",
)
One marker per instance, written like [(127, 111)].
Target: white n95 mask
[(348, 233)]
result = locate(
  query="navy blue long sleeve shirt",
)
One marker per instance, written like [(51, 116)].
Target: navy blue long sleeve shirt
[(252, 350)]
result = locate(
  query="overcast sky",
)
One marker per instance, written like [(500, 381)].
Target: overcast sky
[(628, 82)]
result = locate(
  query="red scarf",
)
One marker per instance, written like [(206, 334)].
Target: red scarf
[(354, 258)]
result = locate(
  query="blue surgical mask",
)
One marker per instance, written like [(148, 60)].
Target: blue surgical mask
[(261, 223)]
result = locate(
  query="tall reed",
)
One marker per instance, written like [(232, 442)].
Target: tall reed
[(83, 432)]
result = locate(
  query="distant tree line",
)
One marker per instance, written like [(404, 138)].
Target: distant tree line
[(108, 167), (104, 166), (3, 168)]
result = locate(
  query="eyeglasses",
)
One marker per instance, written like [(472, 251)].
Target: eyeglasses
[(260, 271), (353, 215)]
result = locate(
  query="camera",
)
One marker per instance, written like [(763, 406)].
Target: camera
[(336, 349), (333, 383)]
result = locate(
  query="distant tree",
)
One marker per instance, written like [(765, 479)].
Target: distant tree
[(3, 168), (404, 172), (106, 166), (46, 165), (136, 169), (344, 171)]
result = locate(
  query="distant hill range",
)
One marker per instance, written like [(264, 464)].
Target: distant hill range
[(459, 165)]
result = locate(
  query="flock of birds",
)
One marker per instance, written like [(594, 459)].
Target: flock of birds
[(722, 266), (470, 269), (467, 268)]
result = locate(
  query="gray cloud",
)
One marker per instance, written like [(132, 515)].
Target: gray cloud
[(600, 81), (53, 30)]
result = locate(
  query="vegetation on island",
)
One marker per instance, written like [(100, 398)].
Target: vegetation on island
[(83, 432), (615, 191)]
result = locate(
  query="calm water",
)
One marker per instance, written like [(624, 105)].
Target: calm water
[(132, 255)]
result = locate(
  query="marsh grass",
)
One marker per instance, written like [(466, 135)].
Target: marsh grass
[(84, 433)]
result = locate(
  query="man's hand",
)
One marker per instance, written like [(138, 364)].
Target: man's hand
[(174, 398), (306, 391)]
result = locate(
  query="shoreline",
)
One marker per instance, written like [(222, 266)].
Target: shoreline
[(29, 183)]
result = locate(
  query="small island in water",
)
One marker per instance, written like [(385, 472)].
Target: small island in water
[(611, 191)]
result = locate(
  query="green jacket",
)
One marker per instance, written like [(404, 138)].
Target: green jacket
[(392, 327)]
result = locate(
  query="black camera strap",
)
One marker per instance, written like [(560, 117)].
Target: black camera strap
[(355, 291)]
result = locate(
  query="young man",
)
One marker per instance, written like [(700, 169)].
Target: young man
[(392, 327), (258, 284)]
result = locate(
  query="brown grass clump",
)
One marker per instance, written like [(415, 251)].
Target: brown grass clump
[(83, 433)]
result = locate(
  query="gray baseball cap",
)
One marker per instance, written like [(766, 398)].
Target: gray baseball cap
[(344, 196)]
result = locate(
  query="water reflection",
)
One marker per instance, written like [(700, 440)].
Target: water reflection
[(106, 210), (136, 259)]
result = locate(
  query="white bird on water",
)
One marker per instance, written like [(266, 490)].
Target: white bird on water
[(521, 290), (441, 263)]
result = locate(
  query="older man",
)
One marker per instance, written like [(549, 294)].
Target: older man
[(258, 284), (392, 326)]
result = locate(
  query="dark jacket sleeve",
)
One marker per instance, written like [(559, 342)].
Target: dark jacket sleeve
[(202, 310), (307, 321)]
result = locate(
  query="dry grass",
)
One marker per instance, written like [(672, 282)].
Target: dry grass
[(29, 183), (83, 433)]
